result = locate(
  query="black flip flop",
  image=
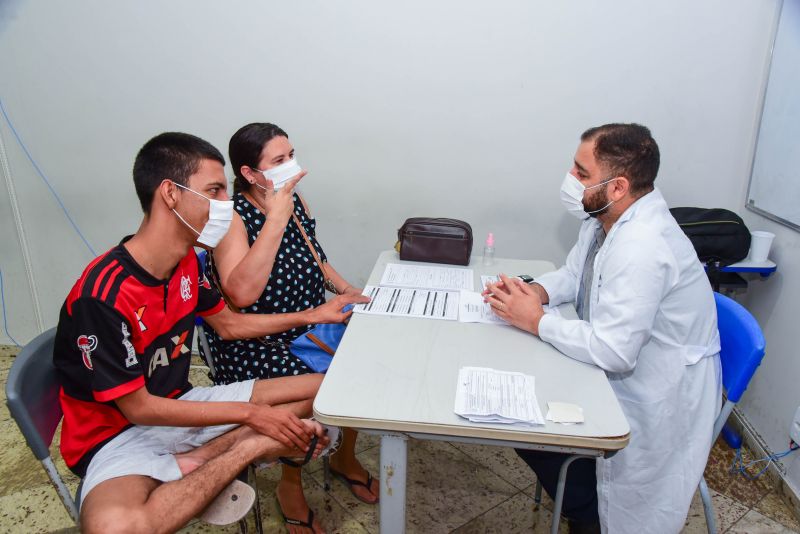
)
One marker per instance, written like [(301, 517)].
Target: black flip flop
[(310, 454), (353, 482), (309, 523)]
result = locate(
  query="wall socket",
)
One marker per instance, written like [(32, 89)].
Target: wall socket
[(794, 429)]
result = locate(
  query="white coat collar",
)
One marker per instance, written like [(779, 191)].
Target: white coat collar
[(641, 204)]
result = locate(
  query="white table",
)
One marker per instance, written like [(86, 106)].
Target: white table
[(396, 376)]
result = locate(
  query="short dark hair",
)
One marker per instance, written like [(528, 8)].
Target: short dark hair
[(244, 149), (169, 156), (627, 150)]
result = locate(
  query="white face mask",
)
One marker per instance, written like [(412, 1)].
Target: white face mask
[(572, 196), (282, 173), (220, 214)]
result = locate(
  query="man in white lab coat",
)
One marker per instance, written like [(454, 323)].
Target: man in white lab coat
[(646, 317)]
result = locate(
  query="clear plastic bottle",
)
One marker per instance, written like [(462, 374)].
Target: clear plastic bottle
[(488, 250)]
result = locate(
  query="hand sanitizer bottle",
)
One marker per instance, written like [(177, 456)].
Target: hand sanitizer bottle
[(488, 250)]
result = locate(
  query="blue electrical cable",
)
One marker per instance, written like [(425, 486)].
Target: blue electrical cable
[(741, 468), (44, 178), (5, 317)]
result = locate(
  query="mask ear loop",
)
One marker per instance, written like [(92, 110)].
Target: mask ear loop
[(598, 185), (179, 215), (186, 223)]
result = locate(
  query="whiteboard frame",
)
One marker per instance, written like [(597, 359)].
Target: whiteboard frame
[(749, 201)]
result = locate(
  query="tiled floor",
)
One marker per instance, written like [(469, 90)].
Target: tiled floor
[(452, 487)]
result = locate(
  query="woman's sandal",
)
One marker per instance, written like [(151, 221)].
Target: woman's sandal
[(353, 482), (231, 505)]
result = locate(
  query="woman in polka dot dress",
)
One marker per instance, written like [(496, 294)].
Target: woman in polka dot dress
[(264, 265)]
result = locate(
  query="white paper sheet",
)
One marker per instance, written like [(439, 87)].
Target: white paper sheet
[(425, 277), (469, 311), (472, 309), (488, 395), (410, 302)]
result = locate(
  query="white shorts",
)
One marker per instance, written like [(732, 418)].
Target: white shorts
[(150, 450)]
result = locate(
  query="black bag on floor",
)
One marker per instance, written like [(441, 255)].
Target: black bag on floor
[(718, 235)]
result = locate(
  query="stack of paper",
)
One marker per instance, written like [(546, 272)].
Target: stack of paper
[(408, 302), (417, 291), (491, 396)]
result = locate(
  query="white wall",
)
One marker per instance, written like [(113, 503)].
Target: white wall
[(452, 108), (773, 395)]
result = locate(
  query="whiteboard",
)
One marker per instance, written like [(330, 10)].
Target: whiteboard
[(775, 178)]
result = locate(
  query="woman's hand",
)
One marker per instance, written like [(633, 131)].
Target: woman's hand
[(333, 312), (278, 205), (353, 291)]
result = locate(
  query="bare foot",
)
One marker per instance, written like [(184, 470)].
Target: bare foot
[(294, 506)]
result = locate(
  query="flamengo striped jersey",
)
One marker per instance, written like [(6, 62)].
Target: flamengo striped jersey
[(121, 329)]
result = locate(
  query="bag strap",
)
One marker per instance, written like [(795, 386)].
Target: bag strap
[(321, 344), (218, 284), (328, 283)]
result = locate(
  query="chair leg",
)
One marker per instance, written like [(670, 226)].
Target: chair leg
[(326, 471), (537, 496), (708, 507), (257, 504)]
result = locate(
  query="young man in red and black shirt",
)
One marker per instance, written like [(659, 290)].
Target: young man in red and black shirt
[(154, 452)]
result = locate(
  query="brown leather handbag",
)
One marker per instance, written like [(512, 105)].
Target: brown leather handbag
[(435, 240)]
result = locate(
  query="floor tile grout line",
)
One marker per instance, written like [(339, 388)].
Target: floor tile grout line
[(338, 503), (489, 510), (782, 502), (498, 475)]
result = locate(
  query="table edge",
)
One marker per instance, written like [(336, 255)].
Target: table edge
[(609, 443)]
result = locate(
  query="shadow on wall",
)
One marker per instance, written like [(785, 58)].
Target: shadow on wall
[(8, 11)]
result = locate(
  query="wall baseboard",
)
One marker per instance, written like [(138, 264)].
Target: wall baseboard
[(776, 472)]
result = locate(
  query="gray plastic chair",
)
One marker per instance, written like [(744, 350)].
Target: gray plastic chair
[(32, 398)]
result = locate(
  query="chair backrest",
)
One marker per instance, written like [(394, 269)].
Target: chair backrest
[(742, 345), (32, 393)]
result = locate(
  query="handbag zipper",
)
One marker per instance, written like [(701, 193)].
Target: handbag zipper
[(433, 234)]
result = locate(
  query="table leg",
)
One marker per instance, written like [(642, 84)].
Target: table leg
[(394, 459), (562, 481)]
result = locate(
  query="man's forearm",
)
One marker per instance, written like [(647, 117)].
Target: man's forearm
[(251, 325), (230, 325), (141, 408)]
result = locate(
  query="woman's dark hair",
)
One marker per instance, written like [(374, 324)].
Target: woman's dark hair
[(245, 149)]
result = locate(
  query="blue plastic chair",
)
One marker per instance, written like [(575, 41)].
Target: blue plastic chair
[(204, 349), (742, 351)]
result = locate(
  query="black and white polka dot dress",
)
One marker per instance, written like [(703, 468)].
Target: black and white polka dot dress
[(295, 284)]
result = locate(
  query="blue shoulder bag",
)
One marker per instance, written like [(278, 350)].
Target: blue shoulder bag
[(317, 346)]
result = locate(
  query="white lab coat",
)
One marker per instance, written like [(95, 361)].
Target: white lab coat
[(653, 330)]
